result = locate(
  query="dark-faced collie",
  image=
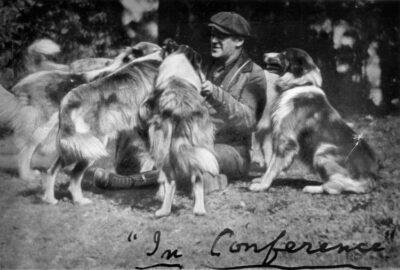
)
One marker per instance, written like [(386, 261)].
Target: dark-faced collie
[(301, 122), (181, 133), (95, 112)]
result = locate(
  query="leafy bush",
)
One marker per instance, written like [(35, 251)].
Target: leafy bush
[(83, 28)]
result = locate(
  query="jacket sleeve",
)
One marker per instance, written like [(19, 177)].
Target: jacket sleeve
[(242, 113)]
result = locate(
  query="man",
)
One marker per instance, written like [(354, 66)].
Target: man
[(235, 91)]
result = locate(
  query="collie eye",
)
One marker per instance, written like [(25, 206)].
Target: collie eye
[(128, 58)]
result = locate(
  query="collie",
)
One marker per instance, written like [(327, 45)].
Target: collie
[(301, 122), (31, 109), (181, 132), (95, 112)]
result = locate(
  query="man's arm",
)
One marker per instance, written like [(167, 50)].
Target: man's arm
[(240, 113)]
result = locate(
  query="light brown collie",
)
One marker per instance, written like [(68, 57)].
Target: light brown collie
[(95, 112), (181, 132)]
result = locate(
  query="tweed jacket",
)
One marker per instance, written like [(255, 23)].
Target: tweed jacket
[(237, 99)]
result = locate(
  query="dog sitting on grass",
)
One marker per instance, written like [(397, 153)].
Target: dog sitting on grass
[(302, 123)]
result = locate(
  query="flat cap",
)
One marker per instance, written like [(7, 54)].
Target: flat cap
[(230, 23)]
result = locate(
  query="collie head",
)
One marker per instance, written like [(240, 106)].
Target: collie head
[(181, 62), (145, 48), (139, 50), (295, 67)]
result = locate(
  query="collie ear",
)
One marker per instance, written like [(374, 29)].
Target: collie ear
[(145, 48), (169, 46), (137, 52), (299, 66), (299, 62), (202, 76), (131, 54), (198, 60), (194, 58)]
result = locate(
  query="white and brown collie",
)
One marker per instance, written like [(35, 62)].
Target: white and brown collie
[(302, 123), (181, 133), (95, 112), (31, 107)]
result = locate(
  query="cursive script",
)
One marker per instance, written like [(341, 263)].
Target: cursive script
[(271, 251), (167, 254)]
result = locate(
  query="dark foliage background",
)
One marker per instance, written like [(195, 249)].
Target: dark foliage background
[(83, 28), (80, 26), (88, 28), (38, 236), (280, 24)]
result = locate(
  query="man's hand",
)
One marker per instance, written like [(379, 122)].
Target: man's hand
[(207, 89)]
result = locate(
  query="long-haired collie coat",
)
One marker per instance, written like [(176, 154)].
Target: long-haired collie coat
[(95, 112), (181, 133), (31, 109), (303, 123)]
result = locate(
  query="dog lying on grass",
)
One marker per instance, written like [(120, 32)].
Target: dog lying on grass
[(301, 122)]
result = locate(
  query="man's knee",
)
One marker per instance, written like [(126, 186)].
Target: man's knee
[(234, 162)]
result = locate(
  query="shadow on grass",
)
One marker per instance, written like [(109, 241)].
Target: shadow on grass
[(35, 193), (296, 183), (144, 198), (140, 198)]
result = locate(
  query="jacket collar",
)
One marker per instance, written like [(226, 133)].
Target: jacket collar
[(242, 64), (243, 58)]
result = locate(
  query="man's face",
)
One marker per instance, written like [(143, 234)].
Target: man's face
[(223, 45)]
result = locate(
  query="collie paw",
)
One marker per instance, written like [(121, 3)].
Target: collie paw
[(256, 180), (256, 187), (83, 201), (49, 199), (313, 189), (161, 213), (199, 212)]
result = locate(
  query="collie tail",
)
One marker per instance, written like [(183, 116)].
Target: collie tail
[(81, 146), (38, 53), (75, 141), (160, 135), (179, 152), (194, 160), (9, 107), (44, 47)]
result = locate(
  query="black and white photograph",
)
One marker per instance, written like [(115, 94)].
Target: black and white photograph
[(199, 134)]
